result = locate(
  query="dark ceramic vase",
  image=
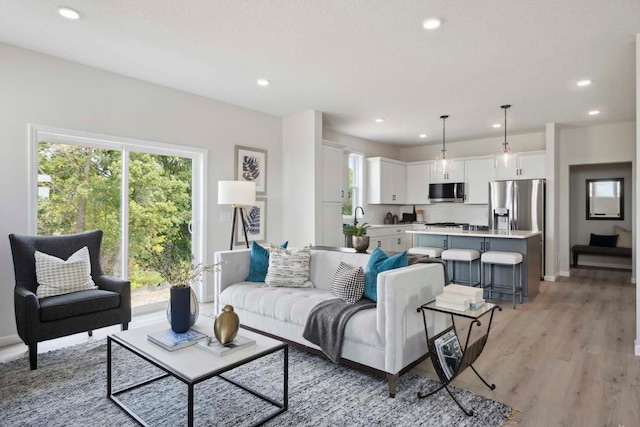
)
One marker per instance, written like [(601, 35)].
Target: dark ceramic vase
[(180, 309)]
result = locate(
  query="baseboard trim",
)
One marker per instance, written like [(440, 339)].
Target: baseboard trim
[(637, 347), (565, 274), (633, 280), (9, 340), (552, 278)]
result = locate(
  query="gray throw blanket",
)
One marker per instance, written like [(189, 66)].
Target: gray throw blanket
[(326, 323)]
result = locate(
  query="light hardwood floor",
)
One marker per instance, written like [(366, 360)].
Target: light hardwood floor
[(566, 358)]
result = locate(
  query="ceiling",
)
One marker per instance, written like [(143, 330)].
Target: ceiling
[(358, 60)]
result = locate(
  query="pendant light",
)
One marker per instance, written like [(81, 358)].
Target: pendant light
[(505, 158), (443, 163)]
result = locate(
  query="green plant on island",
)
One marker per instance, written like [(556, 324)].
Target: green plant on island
[(355, 230)]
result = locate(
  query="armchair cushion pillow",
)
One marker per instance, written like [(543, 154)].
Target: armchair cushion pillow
[(56, 276), (348, 283), (379, 262), (77, 303), (604, 241), (288, 268), (624, 237), (259, 262)]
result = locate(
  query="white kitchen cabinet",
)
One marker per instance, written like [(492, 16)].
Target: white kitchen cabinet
[(346, 189), (387, 181), (478, 174), (418, 179), (331, 225), (454, 174), (332, 173), (390, 238), (531, 165)]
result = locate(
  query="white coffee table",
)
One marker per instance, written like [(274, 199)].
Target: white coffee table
[(192, 365)]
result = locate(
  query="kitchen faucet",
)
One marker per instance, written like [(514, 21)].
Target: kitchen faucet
[(355, 215)]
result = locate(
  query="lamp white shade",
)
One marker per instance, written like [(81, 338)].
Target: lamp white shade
[(236, 193)]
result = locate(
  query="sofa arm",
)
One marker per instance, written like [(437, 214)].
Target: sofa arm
[(400, 293), (235, 269)]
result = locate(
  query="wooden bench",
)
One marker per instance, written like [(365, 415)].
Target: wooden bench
[(599, 250)]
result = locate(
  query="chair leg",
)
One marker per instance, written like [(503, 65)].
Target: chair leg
[(90, 332), (124, 326), (33, 356), (513, 270)]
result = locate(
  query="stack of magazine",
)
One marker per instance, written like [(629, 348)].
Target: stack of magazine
[(213, 346), (449, 352), (171, 341)]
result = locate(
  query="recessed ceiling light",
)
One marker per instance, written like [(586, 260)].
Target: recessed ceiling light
[(68, 13), (594, 112), (496, 125), (431, 24), (379, 120), (423, 135), (584, 83), (263, 82)]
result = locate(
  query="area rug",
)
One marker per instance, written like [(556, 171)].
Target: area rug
[(69, 389)]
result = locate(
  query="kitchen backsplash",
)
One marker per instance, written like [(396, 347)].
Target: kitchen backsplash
[(437, 212)]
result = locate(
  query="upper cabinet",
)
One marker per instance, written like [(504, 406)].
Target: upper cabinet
[(454, 174), (478, 174), (333, 171), (531, 165), (387, 181), (418, 179)]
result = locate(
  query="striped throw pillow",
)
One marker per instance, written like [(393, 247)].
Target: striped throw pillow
[(348, 283), (56, 276), (288, 268)]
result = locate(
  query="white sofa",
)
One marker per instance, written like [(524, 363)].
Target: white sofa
[(388, 340)]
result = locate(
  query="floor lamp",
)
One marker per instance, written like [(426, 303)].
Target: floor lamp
[(237, 194)]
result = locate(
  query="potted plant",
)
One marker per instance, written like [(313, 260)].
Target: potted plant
[(169, 262), (358, 235)]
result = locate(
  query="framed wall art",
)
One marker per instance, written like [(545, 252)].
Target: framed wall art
[(256, 218), (251, 165)]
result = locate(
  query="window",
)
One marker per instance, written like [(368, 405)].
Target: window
[(354, 172), (145, 197)]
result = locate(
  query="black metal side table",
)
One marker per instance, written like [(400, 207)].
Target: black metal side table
[(470, 352)]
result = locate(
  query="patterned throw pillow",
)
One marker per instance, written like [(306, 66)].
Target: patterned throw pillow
[(57, 277), (259, 262), (348, 283), (288, 268)]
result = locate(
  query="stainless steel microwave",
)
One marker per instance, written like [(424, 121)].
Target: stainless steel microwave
[(446, 192)]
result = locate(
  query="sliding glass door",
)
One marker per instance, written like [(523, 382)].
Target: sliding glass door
[(145, 201)]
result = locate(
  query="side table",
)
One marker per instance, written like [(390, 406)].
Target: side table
[(470, 352)]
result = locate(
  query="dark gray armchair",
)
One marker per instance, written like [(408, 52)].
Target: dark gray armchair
[(57, 316)]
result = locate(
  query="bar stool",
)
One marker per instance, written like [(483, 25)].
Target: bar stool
[(503, 258), (466, 255), (428, 251)]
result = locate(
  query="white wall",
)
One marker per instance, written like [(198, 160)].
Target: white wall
[(612, 143), (636, 233), (552, 262), (581, 228), (40, 89), (301, 145)]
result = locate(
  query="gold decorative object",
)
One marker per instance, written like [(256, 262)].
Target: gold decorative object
[(225, 328)]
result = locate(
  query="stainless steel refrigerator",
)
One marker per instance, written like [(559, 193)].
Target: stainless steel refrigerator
[(518, 205)]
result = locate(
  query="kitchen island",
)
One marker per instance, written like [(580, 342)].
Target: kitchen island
[(528, 243)]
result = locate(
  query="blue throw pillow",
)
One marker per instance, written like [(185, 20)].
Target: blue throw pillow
[(259, 264), (378, 263)]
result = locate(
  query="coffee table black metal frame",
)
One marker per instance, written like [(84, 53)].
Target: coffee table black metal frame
[(113, 396), (470, 352)]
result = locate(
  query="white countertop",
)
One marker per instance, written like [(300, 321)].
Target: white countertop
[(507, 234)]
